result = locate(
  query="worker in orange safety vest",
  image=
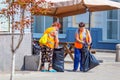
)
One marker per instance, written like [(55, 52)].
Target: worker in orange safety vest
[(82, 36)]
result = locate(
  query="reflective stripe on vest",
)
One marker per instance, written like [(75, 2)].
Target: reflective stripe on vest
[(50, 42)]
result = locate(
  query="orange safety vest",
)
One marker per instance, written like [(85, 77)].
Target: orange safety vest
[(50, 41), (80, 45)]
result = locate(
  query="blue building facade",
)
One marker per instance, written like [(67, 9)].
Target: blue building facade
[(97, 42), (105, 27)]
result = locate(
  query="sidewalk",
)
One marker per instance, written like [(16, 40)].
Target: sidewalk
[(107, 70)]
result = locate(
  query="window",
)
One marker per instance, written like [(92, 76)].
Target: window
[(4, 21), (64, 24), (112, 30), (113, 24), (113, 14), (43, 22), (115, 0), (4, 24)]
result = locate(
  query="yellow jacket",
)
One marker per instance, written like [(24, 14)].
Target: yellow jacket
[(51, 39)]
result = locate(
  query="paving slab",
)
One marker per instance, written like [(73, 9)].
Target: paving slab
[(107, 70)]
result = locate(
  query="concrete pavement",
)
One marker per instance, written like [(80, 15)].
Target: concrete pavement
[(107, 70)]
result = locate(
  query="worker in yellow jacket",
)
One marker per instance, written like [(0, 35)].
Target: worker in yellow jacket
[(47, 49), (82, 36)]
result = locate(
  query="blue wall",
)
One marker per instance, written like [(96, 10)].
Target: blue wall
[(96, 33), (97, 42)]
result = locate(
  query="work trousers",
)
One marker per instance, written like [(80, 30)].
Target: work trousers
[(77, 59)]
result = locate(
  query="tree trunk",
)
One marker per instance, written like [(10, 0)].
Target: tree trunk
[(12, 67)]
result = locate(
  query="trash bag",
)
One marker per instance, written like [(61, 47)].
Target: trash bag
[(35, 48), (88, 60), (85, 61), (84, 48), (58, 59), (93, 62)]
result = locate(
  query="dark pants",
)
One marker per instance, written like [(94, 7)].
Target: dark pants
[(77, 59)]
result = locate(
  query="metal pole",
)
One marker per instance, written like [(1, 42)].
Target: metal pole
[(44, 23), (89, 25)]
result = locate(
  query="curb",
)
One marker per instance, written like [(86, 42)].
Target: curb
[(104, 50)]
